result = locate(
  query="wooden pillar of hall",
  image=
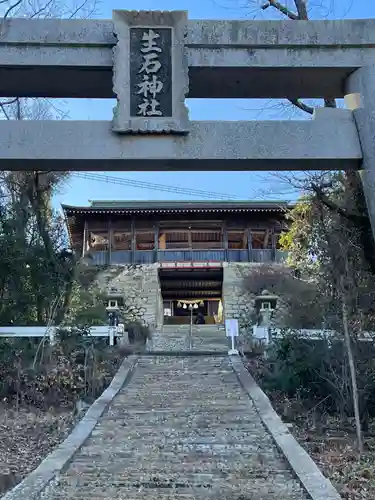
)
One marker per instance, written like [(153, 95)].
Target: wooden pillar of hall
[(273, 242), (249, 245), (85, 239), (109, 242), (156, 243), (133, 241), (225, 242), (190, 245)]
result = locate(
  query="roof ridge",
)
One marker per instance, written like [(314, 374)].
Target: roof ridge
[(180, 204)]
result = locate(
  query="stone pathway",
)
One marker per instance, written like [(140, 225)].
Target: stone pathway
[(183, 428)]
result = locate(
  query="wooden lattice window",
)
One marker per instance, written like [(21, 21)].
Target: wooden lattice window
[(145, 240), (237, 239), (121, 240), (176, 239), (206, 240)]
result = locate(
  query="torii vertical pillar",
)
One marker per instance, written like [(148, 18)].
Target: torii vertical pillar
[(360, 98)]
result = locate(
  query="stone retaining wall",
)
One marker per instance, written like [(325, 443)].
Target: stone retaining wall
[(139, 286), (240, 304)]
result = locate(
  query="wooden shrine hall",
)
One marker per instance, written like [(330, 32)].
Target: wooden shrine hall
[(146, 232)]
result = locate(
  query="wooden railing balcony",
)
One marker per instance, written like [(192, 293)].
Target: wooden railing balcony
[(186, 255), (122, 257)]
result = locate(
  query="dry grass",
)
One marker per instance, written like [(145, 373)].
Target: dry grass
[(334, 451), (26, 437), (330, 441)]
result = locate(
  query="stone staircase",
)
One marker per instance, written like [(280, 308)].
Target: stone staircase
[(203, 338), (183, 428)]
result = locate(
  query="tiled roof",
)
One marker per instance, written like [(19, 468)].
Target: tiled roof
[(157, 206)]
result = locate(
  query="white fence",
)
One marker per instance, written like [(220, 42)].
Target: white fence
[(50, 332), (260, 333), (266, 335)]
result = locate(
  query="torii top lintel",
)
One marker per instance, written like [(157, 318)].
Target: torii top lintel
[(225, 59)]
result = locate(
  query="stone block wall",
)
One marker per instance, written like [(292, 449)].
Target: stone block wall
[(139, 286), (238, 304)]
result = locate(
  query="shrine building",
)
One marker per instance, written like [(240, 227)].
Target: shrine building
[(165, 256)]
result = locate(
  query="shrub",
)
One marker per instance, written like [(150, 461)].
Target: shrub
[(76, 367), (138, 333), (299, 303), (317, 373)]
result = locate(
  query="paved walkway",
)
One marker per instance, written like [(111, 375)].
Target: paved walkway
[(183, 428)]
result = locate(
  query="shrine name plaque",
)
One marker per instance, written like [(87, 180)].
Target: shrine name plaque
[(150, 72)]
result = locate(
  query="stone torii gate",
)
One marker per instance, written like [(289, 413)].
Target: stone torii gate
[(151, 60)]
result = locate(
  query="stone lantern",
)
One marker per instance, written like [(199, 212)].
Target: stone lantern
[(265, 304), (113, 308)]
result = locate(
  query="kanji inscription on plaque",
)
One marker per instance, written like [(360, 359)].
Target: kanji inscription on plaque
[(150, 72)]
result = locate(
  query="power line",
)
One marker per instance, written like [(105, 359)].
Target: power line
[(156, 187)]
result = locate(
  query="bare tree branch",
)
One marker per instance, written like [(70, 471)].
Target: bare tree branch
[(3, 107), (334, 207), (282, 8), (77, 9), (12, 7), (32, 9), (301, 9), (7, 103), (330, 103), (42, 9), (302, 15), (302, 106)]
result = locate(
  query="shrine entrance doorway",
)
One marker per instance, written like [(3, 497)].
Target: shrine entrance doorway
[(189, 293)]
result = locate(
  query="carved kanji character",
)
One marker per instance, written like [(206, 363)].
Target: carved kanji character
[(151, 63), (149, 38), (153, 86), (148, 108)]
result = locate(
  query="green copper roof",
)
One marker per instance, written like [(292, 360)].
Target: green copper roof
[(98, 205)]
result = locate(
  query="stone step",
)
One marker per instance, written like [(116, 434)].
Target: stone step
[(258, 489), (172, 449), (182, 429), (203, 327), (135, 417), (214, 341), (169, 479), (194, 327)]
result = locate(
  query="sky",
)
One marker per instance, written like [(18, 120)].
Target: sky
[(243, 185)]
